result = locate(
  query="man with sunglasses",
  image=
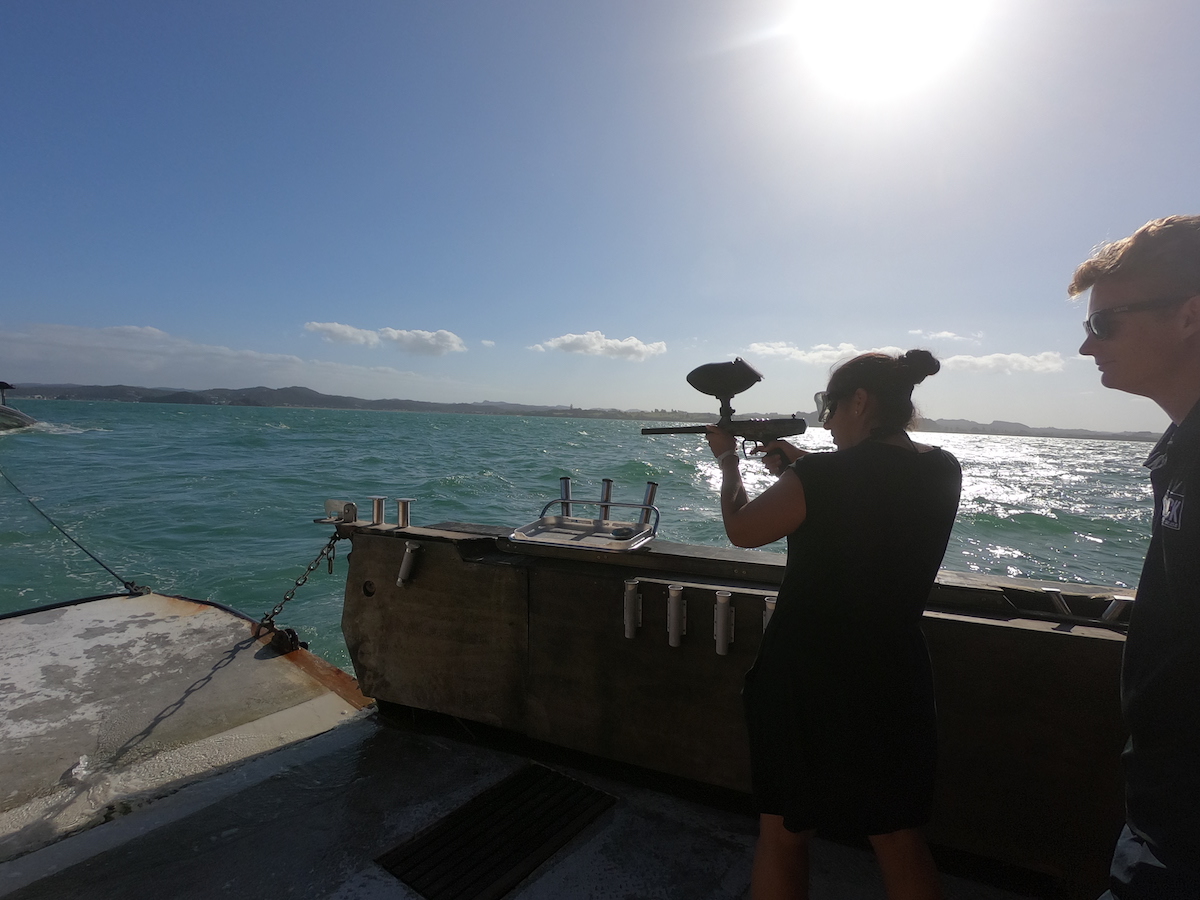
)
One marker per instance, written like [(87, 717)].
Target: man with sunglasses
[(1143, 330)]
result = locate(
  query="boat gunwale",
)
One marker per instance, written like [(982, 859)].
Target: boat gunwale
[(746, 567)]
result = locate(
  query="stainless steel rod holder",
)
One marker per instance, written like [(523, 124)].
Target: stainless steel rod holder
[(1056, 598), (564, 493), (1114, 609), (648, 501), (606, 492), (676, 615), (633, 608)]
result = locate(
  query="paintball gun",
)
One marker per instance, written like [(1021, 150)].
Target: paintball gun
[(724, 380)]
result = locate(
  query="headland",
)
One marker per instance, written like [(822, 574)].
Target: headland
[(306, 398)]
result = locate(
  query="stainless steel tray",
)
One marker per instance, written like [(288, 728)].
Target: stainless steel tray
[(594, 534)]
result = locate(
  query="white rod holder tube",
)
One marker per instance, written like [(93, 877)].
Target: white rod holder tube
[(403, 512), (768, 610), (633, 608), (408, 563), (676, 615), (723, 622)]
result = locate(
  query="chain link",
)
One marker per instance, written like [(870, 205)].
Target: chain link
[(329, 551)]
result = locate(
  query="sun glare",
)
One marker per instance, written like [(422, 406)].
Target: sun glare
[(870, 50)]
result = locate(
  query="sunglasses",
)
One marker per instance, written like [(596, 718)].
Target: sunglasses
[(1102, 325), (826, 406)]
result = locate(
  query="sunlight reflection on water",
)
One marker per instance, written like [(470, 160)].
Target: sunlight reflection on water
[(1047, 508)]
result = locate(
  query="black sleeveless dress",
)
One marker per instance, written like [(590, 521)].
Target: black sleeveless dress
[(839, 703)]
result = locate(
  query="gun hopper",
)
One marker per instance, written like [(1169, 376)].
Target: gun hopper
[(724, 380)]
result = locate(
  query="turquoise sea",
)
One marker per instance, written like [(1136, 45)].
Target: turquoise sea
[(218, 502)]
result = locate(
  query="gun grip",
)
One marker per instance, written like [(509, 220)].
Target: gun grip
[(784, 462)]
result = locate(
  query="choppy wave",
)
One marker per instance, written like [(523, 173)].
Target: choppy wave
[(218, 502)]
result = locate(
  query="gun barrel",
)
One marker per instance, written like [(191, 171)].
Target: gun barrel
[(761, 430), (679, 429)]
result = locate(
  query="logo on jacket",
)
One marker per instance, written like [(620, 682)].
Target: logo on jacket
[(1172, 509)]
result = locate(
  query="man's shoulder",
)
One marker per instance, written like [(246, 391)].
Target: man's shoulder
[(1187, 432)]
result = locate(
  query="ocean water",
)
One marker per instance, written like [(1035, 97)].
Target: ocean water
[(218, 502)]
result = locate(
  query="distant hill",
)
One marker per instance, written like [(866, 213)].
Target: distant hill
[(306, 398), (965, 426)]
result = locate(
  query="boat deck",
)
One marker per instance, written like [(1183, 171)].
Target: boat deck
[(153, 748), (109, 703)]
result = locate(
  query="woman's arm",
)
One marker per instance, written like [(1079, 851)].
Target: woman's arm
[(773, 514)]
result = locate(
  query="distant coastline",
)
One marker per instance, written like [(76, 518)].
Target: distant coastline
[(302, 397)]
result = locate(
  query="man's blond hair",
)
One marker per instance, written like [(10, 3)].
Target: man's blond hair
[(1165, 250)]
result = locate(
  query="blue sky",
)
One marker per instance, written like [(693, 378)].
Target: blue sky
[(577, 203)]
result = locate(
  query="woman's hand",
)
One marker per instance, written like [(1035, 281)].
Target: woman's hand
[(720, 441), (777, 455)]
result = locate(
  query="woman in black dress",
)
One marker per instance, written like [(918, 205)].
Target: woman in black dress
[(839, 704)]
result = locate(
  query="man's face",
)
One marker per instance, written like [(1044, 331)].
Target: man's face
[(1144, 352)]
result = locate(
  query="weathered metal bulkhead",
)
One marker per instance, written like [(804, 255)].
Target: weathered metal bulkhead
[(533, 639)]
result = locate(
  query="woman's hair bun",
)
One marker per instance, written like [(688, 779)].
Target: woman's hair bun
[(917, 365)]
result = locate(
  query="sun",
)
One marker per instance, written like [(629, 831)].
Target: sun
[(871, 50)]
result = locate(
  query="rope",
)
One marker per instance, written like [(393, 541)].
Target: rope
[(130, 586)]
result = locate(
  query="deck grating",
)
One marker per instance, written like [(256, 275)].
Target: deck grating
[(487, 846)]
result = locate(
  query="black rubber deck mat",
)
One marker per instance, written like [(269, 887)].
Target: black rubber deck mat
[(484, 849)]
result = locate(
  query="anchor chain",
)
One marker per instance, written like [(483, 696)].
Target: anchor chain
[(286, 640)]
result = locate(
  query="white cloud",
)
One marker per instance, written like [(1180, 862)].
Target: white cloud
[(594, 343), (138, 331), (1007, 363), (488, 343), (828, 355), (423, 343), (338, 333), (945, 335), (66, 354), (817, 355)]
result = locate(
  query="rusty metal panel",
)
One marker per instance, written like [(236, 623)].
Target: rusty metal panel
[(452, 640)]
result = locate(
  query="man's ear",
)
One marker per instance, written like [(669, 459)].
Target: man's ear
[(1189, 315)]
